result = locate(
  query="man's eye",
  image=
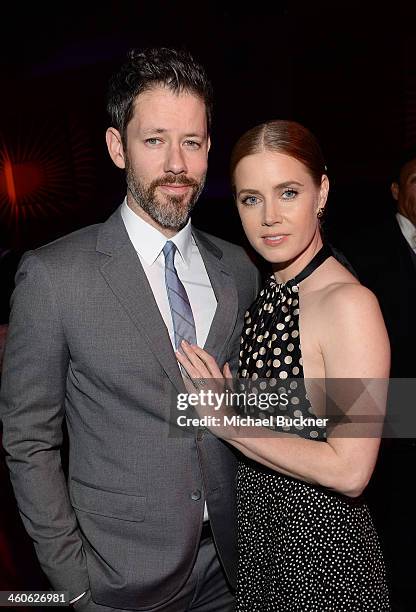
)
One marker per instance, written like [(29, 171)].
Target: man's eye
[(152, 141), (193, 144)]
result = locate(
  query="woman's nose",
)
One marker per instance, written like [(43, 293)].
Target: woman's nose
[(272, 214)]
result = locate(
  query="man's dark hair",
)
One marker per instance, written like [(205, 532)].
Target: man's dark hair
[(405, 156), (146, 68)]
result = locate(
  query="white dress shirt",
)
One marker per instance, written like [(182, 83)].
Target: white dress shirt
[(148, 243), (408, 230)]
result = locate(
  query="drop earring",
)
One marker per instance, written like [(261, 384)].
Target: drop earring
[(320, 213)]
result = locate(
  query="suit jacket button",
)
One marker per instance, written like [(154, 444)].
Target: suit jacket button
[(195, 495)]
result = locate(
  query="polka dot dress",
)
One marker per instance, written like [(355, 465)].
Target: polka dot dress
[(302, 548)]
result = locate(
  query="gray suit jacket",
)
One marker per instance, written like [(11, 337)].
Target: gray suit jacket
[(87, 344)]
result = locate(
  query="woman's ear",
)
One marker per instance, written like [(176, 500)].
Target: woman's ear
[(323, 193), (115, 147)]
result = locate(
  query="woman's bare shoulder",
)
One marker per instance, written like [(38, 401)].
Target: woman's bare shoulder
[(342, 296), (339, 296), (334, 282)]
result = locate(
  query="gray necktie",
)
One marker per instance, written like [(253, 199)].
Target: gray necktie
[(182, 317)]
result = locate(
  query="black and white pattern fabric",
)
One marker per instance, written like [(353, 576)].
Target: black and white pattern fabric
[(302, 548)]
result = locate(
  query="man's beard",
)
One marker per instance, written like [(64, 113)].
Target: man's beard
[(173, 213)]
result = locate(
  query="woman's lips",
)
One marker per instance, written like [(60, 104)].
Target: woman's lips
[(274, 240)]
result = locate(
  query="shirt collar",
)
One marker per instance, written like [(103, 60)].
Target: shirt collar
[(408, 229), (149, 241)]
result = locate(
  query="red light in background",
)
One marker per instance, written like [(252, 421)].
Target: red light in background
[(18, 181)]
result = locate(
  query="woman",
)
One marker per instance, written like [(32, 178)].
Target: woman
[(306, 539)]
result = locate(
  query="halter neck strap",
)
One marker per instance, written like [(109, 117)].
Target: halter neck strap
[(323, 254)]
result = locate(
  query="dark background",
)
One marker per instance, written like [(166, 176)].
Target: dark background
[(346, 70)]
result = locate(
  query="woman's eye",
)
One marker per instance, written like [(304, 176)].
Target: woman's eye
[(249, 200), (289, 194)]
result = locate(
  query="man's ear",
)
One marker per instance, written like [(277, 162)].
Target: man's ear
[(394, 188), (115, 147)]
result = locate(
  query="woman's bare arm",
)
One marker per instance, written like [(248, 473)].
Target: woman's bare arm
[(354, 345)]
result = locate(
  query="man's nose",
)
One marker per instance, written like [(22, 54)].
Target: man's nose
[(175, 160)]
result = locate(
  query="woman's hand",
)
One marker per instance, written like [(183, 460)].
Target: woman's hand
[(200, 365), (208, 380)]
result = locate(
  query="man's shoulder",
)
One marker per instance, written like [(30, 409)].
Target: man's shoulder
[(65, 254), (84, 239)]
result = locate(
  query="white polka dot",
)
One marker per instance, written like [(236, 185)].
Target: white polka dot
[(282, 374), (288, 359)]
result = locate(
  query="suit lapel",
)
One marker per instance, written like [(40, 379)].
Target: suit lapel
[(126, 278), (226, 294)]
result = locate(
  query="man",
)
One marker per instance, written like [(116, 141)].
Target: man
[(385, 260), (147, 518), (383, 254)]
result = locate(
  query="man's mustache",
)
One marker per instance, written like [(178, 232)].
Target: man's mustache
[(174, 180)]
